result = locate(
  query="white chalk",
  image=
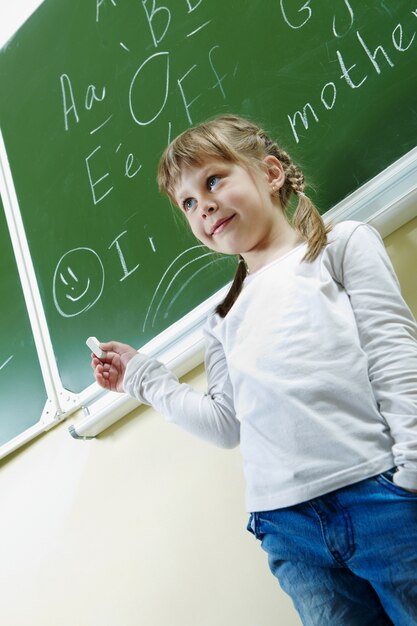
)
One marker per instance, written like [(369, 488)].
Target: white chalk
[(94, 345)]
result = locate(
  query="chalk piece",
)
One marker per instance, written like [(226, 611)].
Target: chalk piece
[(94, 345)]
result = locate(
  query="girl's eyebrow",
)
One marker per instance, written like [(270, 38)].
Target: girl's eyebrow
[(204, 172), (201, 176)]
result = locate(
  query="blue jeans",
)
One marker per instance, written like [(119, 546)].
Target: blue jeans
[(348, 558)]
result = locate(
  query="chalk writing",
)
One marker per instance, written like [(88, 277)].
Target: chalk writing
[(96, 181), (91, 96), (185, 283), (173, 279), (196, 30), (165, 274), (75, 287), (67, 93), (161, 58), (305, 11), (101, 125), (148, 93), (78, 281), (352, 74), (336, 32), (122, 259), (155, 83), (187, 104), (6, 362), (219, 81), (129, 164), (150, 15), (192, 7), (99, 4)]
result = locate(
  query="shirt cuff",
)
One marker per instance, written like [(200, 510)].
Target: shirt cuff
[(132, 368)]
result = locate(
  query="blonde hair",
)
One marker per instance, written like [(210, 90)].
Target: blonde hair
[(238, 140)]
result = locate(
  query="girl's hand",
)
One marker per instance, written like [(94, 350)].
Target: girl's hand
[(109, 371)]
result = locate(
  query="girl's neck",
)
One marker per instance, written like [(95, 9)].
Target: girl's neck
[(279, 243)]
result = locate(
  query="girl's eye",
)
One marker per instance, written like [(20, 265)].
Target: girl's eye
[(189, 204), (212, 181)]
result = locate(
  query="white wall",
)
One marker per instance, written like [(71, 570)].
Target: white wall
[(143, 526), (13, 13)]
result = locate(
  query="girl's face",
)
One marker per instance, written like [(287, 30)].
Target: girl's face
[(230, 209)]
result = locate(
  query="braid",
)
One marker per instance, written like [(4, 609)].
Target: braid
[(294, 178), (306, 220), (224, 307)]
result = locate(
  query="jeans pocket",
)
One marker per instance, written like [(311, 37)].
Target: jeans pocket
[(386, 479), (389, 474)]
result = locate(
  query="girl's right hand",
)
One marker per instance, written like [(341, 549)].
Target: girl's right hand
[(109, 371)]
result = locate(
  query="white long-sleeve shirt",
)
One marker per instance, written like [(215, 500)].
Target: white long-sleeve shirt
[(313, 370)]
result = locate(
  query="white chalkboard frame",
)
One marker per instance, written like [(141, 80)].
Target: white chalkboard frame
[(60, 402)]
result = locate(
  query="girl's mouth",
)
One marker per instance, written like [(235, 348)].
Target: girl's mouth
[(220, 225)]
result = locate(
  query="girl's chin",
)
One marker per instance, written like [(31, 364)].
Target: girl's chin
[(229, 250), (221, 244)]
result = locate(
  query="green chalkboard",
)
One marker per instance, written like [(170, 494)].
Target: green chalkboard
[(22, 390), (91, 92)]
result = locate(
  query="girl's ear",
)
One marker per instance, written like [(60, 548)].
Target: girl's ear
[(274, 172)]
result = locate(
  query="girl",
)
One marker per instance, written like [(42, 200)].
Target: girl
[(311, 364)]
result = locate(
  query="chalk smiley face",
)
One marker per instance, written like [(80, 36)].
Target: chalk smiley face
[(78, 281)]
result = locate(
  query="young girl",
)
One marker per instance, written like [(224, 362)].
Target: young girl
[(311, 363)]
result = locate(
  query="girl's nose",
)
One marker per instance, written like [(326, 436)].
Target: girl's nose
[(209, 207)]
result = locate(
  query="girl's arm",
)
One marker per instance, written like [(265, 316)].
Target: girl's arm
[(388, 335), (210, 415)]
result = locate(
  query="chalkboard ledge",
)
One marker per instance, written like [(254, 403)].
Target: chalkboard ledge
[(387, 201)]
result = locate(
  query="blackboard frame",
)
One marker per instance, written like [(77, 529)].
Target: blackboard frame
[(60, 402)]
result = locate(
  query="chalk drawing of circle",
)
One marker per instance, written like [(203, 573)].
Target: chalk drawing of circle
[(78, 281)]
